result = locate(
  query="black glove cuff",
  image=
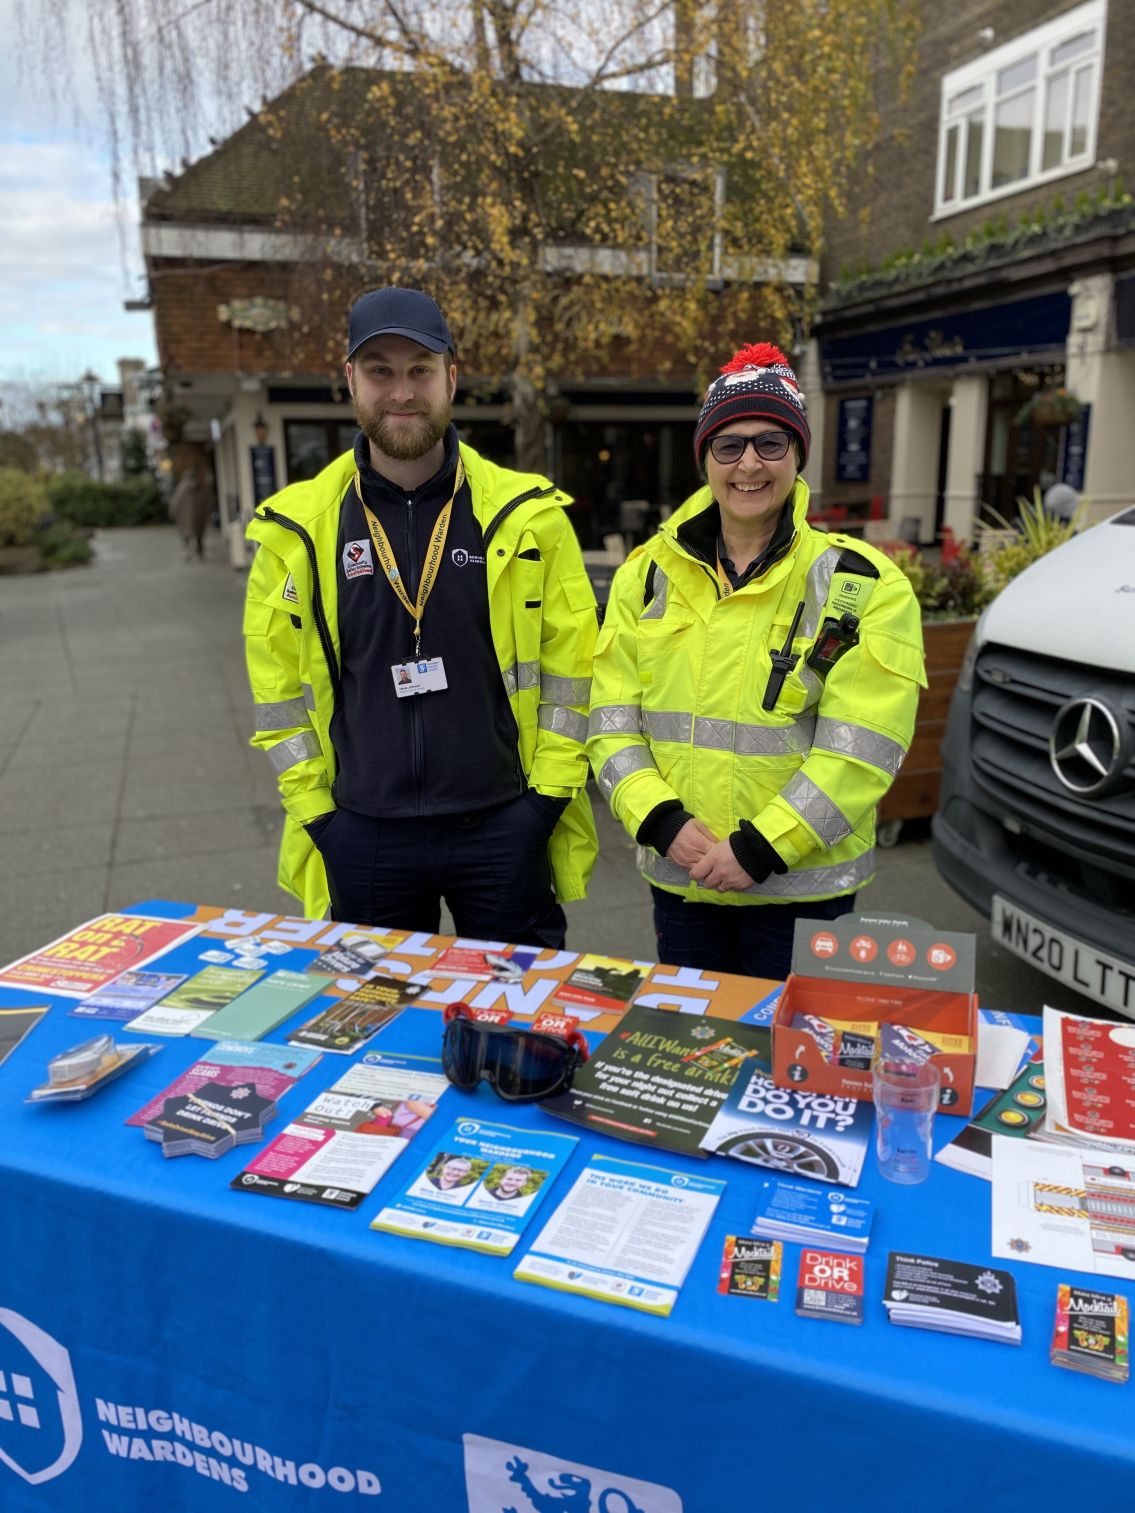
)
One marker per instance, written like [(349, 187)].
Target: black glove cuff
[(660, 827), (754, 853)]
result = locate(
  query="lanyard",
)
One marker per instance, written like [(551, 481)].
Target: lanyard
[(433, 555), (723, 579)]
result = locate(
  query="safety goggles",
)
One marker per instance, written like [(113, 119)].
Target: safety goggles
[(769, 445), (519, 1064)]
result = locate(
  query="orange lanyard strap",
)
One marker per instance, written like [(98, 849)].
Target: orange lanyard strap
[(432, 563)]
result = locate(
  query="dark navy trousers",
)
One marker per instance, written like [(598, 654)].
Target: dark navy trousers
[(491, 868), (750, 939)]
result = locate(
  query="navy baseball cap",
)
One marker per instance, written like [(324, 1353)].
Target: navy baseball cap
[(397, 312)]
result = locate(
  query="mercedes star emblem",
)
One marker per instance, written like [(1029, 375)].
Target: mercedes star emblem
[(1087, 748)]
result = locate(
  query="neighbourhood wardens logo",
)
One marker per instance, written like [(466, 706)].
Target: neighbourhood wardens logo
[(41, 1425), (504, 1478)]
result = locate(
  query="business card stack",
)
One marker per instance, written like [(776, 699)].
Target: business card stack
[(830, 1286), (1090, 1334), (928, 1292), (210, 1120), (750, 1268), (808, 1214)]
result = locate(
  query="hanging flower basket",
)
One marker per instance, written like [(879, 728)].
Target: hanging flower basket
[(1050, 407)]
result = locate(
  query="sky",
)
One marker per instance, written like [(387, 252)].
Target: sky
[(69, 256)]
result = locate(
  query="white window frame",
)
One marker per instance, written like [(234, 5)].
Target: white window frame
[(982, 73)]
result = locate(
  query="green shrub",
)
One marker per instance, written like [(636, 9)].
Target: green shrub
[(64, 545), (84, 501), (23, 504)]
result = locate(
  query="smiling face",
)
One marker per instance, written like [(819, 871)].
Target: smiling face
[(454, 1171), (513, 1180), (751, 490), (403, 395)]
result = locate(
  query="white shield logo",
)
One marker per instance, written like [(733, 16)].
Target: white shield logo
[(41, 1426)]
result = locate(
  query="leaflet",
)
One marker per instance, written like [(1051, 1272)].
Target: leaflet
[(660, 1078), (350, 1022), (1091, 1079), (233, 1063), (479, 1187), (341, 1145), (486, 960), (805, 1134), (95, 953), (15, 1024), (1063, 1206), (259, 1010), (129, 995), (604, 984), (191, 1004), (626, 1233)]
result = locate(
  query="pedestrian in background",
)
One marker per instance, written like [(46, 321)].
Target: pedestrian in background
[(189, 508), (755, 688)]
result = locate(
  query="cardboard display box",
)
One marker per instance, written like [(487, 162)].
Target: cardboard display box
[(867, 969)]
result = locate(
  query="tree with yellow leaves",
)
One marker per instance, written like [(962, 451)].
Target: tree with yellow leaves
[(584, 185)]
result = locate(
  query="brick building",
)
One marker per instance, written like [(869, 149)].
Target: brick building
[(249, 379), (997, 263)]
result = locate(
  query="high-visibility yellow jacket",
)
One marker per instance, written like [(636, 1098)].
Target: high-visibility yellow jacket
[(542, 615), (680, 673)]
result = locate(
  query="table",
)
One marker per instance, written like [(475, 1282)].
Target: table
[(167, 1342)]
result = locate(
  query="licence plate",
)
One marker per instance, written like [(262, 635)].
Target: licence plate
[(1095, 974)]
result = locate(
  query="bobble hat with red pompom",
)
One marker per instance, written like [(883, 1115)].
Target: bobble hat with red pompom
[(755, 384)]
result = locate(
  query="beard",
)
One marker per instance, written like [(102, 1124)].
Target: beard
[(403, 440)]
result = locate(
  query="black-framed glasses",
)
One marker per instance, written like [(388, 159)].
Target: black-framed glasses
[(519, 1064), (771, 446)]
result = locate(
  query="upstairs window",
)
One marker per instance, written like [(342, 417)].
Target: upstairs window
[(1023, 114)]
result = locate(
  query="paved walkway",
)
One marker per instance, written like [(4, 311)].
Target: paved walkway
[(125, 769)]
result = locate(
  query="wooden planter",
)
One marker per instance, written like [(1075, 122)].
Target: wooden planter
[(914, 793)]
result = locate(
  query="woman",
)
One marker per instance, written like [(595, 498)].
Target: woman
[(755, 689)]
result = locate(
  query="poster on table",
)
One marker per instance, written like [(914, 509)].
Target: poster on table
[(479, 1187), (92, 955), (660, 1078)]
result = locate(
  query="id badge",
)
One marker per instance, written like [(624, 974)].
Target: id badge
[(419, 677)]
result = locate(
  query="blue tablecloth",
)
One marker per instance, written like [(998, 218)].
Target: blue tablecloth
[(166, 1342)]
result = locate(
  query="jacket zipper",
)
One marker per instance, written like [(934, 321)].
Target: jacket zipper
[(317, 613), (503, 513)]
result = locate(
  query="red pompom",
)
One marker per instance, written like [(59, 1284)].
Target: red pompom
[(762, 355)]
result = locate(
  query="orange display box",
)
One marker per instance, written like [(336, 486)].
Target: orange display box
[(881, 970)]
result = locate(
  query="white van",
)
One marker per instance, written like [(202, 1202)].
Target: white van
[(1036, 821)]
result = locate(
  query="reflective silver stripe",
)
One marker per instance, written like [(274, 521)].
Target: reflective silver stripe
[(856, 740), (621, 765), (816, 809), (657, 606), (284, 715), (297, 748), (615, 719), (808, 882), (521, 675), (556, 690), (567, 722), (729, 735), (817, 584), (308, 696), (773, 740), (667, 724)]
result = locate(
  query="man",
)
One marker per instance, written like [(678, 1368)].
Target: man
[(419, 629)]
